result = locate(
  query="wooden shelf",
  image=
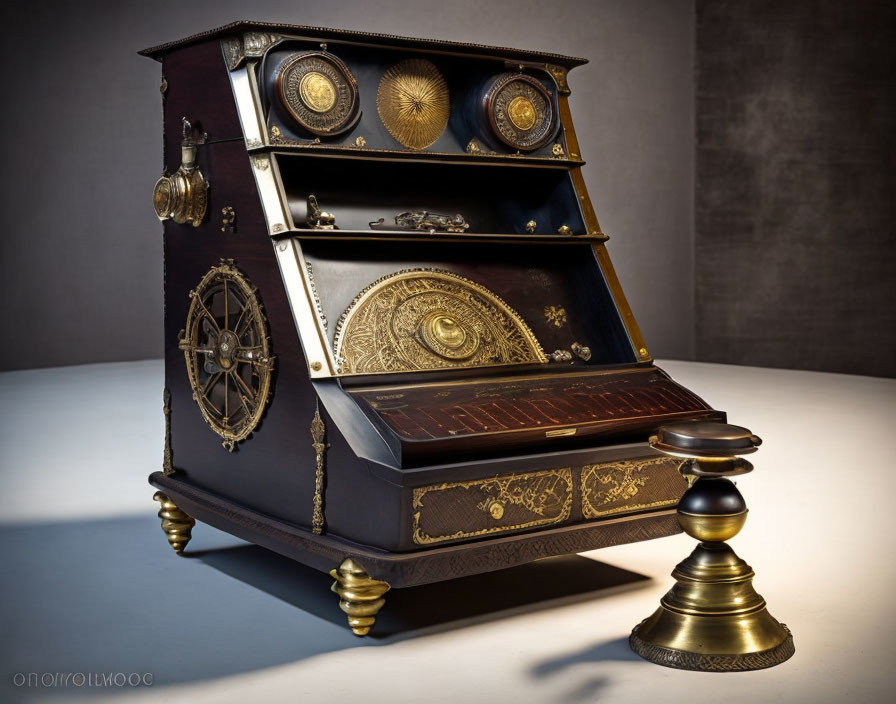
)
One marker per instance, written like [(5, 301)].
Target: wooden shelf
[(422, 236), (334, 151)]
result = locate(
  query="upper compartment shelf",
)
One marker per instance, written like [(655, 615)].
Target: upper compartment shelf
[(357, 151), (344, 98)]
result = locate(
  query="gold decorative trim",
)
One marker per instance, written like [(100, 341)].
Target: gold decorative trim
[(413, 102), (227, 353), (388, 327), (607, 483), (531, 491), (319, 443), (167, 467)]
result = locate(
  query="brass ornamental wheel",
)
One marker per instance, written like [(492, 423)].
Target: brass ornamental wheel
[(227, 352)]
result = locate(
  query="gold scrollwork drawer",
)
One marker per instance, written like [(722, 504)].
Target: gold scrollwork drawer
[(631, 485), (457, 510)]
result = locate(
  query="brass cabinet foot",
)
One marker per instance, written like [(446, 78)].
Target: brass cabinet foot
[(176, 524), (712, 619), (360, 596)]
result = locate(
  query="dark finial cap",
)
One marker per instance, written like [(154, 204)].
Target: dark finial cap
[(704, 439)]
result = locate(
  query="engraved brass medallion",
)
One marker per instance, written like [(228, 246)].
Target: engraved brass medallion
[(520, 111), (227, 352), (319, 92), (413, 103), (456, 510), (430, 319)]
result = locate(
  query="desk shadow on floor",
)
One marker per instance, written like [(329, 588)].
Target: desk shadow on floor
[(109, 596), (432, 608)]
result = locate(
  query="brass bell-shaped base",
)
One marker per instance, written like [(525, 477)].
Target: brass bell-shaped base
[(712, 619)]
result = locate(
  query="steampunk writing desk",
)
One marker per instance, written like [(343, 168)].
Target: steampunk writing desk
[(395, 345)]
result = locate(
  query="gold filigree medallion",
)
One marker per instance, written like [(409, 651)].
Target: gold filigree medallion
[(319, 92), (227, 352), (520, 111), (430, 319), (413, 103)]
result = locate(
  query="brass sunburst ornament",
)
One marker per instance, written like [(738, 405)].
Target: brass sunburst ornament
[(412, 101)]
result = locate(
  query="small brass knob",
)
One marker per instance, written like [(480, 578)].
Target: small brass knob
[(496, 509)]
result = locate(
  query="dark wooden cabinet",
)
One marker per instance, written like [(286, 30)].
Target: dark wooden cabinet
[(395, 344)]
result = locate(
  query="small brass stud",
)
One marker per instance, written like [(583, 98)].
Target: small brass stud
[(643, 351), (316, 366), (275, 131), (530, 226), (564, 230), (360, 142)]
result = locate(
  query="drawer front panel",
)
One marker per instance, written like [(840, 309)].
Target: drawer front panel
[(458, 510), (613, 488)]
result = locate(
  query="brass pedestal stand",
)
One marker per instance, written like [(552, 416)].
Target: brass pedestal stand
[(712, 619)]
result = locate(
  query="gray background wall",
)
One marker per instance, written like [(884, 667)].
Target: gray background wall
[(791, 148), (796, 184), (81, 265)]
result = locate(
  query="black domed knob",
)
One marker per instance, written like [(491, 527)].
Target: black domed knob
[(705, 439), (712, 497)]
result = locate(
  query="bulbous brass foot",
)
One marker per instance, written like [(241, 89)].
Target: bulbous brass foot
[(360, 596), (176, 524)]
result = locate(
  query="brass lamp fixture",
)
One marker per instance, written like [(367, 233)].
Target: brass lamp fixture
[(712, 619), (183, 197)]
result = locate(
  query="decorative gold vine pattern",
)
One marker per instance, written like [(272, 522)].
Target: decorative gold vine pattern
[(612, 482), (546, 494)]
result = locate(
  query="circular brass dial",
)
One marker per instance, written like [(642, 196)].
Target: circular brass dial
[(227, 353), (520, 111), (319, 92)]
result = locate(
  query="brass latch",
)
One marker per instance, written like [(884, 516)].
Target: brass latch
[(183, 197)]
